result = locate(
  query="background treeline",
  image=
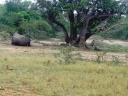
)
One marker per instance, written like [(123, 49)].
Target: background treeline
[(118, 30), (26, 17)]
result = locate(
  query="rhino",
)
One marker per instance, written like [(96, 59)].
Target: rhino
[(20, 40)]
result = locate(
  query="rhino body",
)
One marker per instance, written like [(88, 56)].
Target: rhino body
[(20, 40)]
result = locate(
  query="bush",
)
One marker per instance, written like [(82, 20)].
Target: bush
[(17, 15), (4, 35), (36, 29), (118, 31), (5, 29)]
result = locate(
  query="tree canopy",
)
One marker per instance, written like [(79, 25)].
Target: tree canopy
[(84, 16), (77, 19)]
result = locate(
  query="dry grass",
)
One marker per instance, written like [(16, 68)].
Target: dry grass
[(37, 73)]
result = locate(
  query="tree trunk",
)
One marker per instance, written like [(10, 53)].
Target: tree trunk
[(84, 33), (52, 18), (67, 39), (73, 29)]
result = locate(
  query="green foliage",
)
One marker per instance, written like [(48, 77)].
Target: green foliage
[(36, 29), (65, 56), (2, 10), (112, 48), (71, 5), (17, 5), (118, 30), (7, 29), (92, 12), (4, 35), (22, 16)]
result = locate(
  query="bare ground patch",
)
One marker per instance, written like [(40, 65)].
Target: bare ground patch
[(19, 92), (51, 46), (35, 74)]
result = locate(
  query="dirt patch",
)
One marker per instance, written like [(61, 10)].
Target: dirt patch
[(109, 56), (50, 47), (109, 42), (18, 92)]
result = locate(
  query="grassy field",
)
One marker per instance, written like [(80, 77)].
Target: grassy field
[(113, 48), (36, 72)]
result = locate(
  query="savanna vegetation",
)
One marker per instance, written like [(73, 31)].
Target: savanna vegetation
[(75, 20), (30, 72), (55, 68)]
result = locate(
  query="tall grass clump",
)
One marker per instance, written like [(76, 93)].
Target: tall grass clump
[(65, 55), (100, 56)]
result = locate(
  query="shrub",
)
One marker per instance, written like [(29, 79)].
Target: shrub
[(118, 31), (36, 29), (65, 56)]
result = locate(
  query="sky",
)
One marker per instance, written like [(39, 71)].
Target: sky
[(3, 1)]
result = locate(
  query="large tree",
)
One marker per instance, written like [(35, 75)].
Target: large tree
[(84, 16)]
